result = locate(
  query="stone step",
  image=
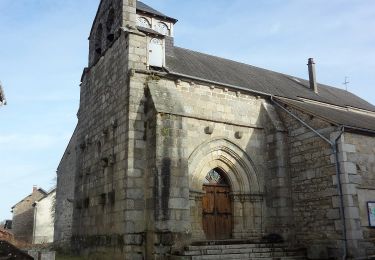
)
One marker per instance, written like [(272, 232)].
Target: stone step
[(226, 256), (245, 249), (278, 251), (236, 256), (254, 245), (244, 257), (280, 258)]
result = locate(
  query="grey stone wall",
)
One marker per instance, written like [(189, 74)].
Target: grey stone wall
[(109, 186), (279, 193), (66, 173), (196, 124), (357, 156), (313, 187), (98, 216)]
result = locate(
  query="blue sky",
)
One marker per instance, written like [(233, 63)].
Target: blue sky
[(43, 50)]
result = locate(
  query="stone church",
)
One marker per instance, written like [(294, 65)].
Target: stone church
[(183, 155)]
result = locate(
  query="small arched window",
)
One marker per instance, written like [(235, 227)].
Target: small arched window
[(98, 41), (109, 26), (162, 28), (143, 22)]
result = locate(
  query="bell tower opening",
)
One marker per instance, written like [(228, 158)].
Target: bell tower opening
[(217, 206)]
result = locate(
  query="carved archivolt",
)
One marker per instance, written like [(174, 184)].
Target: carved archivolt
[(223, 154)]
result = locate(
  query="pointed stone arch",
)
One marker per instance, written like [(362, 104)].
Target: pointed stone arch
[(226, 155), (110, 26), (98, 42)]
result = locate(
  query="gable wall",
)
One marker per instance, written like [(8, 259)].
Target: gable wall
[(23, 217), (43, 219), (185, 111)]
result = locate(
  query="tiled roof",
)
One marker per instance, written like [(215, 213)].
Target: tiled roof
[(147, 9), (228, 72), (141, 7), (257, 79), (336, 115), (41, 191)]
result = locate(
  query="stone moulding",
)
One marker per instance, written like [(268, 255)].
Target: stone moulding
[(224, 154), (169, 101)]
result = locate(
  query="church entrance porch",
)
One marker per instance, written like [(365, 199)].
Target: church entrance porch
[(216, 207)]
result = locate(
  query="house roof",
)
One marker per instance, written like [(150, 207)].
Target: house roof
[(148, 9), (258, 80), (40, 190), (335, 114), (141, 7), (51, 192)]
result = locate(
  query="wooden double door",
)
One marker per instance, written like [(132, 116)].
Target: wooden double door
[(217, 212)]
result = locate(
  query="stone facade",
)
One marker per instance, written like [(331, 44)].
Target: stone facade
[(357, 161), (23, 216), (146, 140), (312, 174)]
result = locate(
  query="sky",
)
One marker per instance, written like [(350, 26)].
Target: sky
[(44, 48)]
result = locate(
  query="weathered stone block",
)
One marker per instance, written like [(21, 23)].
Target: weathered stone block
[(348, 167), (352, 212), (349, 189), (349, 148)]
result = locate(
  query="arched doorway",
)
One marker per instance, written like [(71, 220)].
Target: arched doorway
[(245, 183), (217, 206)]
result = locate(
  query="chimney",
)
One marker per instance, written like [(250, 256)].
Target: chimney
[(35, 188), (312, 75)]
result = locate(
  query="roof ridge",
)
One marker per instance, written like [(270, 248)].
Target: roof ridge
[(141, 6), (248, 65), (331, 93)]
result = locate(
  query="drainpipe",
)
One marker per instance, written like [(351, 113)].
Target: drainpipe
[(339, 188), (334, 146), (35, 206)]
